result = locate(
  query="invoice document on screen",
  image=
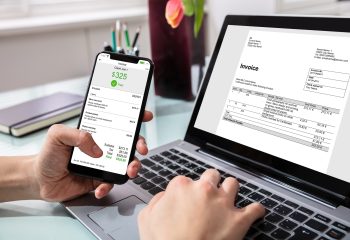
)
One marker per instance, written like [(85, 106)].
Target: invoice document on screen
[(288, 96)]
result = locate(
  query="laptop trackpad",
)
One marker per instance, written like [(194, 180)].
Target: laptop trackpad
[(119, 220)]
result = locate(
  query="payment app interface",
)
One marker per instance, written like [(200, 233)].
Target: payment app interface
[(111, 112)]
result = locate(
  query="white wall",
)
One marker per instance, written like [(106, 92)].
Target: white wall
[(218, 9), (50, 54)]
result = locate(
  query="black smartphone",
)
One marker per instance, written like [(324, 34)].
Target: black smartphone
[(113, 112)]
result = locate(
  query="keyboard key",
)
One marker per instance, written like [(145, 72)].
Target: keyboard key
[(191, 158), (199, 170), (288, 224), (207, 166), (244, 203), (278, 198), (268, 203), (174, 157), (164, 172), (163, 185), (341, 226), (173, 166), (147, 163), (166, 154), (335, 234), (263, 237), (305, 210), (182, 171), (139, 180), (157, 158), (312, 223), (244, 190), (155, 190), (281, 209), (322, 218), (241, 181), (302, 233), (266, 226), (291, 204), (280, 234), (149, 175), (199, 162), (297, 216), (323, 238), (191, 165), (252, 186), (263, 191), (165, 163), (174, 151), (157, 180), (274, 218), (183, 155), (171, 176), (256, 196), (193, 176), (143, 170), (147, 185), (251, 232), (181, 161), (157, 168), (239, 198)]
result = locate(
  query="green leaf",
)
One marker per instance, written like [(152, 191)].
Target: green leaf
[(198, 15), (189, 7)]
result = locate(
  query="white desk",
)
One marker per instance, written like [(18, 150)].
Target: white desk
[(42, 220)]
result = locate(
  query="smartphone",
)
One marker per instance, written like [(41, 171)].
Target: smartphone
[(113, 112)]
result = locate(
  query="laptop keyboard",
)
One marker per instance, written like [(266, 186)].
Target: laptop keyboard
[(284, 219)]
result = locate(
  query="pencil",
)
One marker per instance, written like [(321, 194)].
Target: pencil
[(136, 37)]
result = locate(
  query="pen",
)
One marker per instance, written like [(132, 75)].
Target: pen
[(136, 37), (119, 35), (114, 44), (126, 32)]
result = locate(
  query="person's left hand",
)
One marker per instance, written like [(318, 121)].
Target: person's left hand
[(53, 180)]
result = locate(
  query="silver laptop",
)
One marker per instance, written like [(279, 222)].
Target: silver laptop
[(274, 112)]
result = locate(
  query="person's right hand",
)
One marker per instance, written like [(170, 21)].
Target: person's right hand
[(197, 210)]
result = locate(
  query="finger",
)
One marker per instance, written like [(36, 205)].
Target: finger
[(230, 187), (212, 176), (75, 138), (134, 168), (141, 146), (155, 199), (253, 212), (102, 190), (147, 116)]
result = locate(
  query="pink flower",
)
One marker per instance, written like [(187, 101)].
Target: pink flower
[(174, 12)]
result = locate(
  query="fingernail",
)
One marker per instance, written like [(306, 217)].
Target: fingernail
[(97, 150)]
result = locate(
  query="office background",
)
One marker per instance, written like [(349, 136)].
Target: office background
[(44, 41)]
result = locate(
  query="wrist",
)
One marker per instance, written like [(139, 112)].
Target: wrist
[(18, 180)]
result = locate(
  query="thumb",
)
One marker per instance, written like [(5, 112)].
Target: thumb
[(75, 138), (253, 212)]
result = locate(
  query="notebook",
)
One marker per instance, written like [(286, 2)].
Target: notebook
[(36, 114)]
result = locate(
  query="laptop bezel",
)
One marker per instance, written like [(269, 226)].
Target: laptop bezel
[(299, 173)]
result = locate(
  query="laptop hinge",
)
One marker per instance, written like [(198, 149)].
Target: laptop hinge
[(280, 178)]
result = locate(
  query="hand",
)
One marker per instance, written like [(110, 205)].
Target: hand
[(197, 210), (54, 182)]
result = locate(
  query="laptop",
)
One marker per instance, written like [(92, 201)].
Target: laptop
[(273, 112)]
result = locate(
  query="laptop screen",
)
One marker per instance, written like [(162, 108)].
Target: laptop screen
[(283, 92)]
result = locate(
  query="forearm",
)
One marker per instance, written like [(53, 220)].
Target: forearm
[(17, 181)]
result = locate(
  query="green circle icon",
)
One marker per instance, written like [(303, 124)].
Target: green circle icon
[(114, 83)]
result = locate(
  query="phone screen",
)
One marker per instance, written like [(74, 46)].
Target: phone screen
[(111, 112)]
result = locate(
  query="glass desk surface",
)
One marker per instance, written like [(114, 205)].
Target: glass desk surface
[(39, 219)]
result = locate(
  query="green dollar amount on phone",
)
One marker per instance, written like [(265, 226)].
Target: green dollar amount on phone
[(120, 75)]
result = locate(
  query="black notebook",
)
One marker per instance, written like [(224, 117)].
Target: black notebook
[(32, 115)]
